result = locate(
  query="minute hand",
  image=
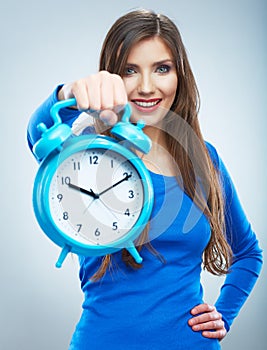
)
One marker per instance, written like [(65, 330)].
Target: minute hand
[(116, 184)]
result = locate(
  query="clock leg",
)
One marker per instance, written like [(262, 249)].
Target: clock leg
[(133, 251), (62, 256)]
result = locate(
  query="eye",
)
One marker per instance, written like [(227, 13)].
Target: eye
[(129, 71), (164, 68)]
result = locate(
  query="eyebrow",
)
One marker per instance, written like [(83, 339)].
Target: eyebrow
[(158, 63)]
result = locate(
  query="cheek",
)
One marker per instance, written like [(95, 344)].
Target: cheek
[(170, 87)]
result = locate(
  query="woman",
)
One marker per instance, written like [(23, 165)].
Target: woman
[(197, 217)]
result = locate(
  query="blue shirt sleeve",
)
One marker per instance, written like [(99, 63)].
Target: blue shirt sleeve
[(247, 255), (42, 115)]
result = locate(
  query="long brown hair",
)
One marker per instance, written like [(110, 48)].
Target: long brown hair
[(184, 139)]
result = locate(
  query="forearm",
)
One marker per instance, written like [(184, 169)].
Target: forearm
[(238, 286)]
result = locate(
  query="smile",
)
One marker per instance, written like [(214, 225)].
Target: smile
[(146, 103)]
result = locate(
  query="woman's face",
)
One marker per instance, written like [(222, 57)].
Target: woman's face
[(150, 80)]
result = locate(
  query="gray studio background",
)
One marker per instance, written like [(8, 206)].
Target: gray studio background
[(44, 43)]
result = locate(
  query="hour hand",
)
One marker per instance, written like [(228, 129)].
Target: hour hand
[(83, 190)]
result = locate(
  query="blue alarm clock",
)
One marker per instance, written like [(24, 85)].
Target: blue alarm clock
[(92, 194)]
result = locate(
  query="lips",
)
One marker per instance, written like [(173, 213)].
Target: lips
[(147, 103)]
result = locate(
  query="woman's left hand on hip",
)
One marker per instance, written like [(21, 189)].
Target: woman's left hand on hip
[(207, 320)]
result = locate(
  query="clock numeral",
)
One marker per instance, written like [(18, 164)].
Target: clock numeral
[(76, 166), (60, 197), (131, 194), (79, 227), (112, 163), (97, 232), (127, 212), (65, 180), (114, 226), (65, 215), (93, 160)]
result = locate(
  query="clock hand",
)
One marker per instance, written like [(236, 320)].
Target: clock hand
[(93, 201), (116, 184), (83, 190), (111, 212), (89, 205)]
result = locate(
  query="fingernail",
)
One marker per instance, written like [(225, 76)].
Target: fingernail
[(191, 322)]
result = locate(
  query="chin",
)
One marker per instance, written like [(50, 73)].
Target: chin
[(150, 119)]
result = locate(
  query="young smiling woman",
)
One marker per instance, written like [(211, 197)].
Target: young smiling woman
[(151, 83), (197, 220)]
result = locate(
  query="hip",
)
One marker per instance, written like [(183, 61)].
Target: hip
[(146, 333)]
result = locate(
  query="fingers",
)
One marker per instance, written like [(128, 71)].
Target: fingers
[(108, 117), (102, 91), (208, 320), (113, 91), (98, 91), (202, 308), (219, 334), (120, 95)]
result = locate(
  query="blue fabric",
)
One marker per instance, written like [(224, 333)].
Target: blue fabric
[(149, 308)]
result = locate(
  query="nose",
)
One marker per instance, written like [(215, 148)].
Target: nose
[(146, 85)]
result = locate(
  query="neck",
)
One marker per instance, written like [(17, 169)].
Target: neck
[(156, 135), (158, 160)]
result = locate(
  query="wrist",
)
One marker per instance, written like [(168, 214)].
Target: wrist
[(60, 93)]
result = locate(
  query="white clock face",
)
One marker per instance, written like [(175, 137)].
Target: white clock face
[(96, 196)]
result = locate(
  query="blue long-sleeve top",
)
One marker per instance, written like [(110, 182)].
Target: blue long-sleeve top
[(149, 308)]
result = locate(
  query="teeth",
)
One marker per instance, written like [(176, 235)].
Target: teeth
[(146, 104)]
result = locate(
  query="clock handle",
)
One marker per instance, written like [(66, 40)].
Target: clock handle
[(124, 129), (133, 135), (59, 105), (134, 252), (53, 137)]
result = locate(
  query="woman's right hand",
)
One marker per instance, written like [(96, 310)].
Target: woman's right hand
[(100, 91)]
